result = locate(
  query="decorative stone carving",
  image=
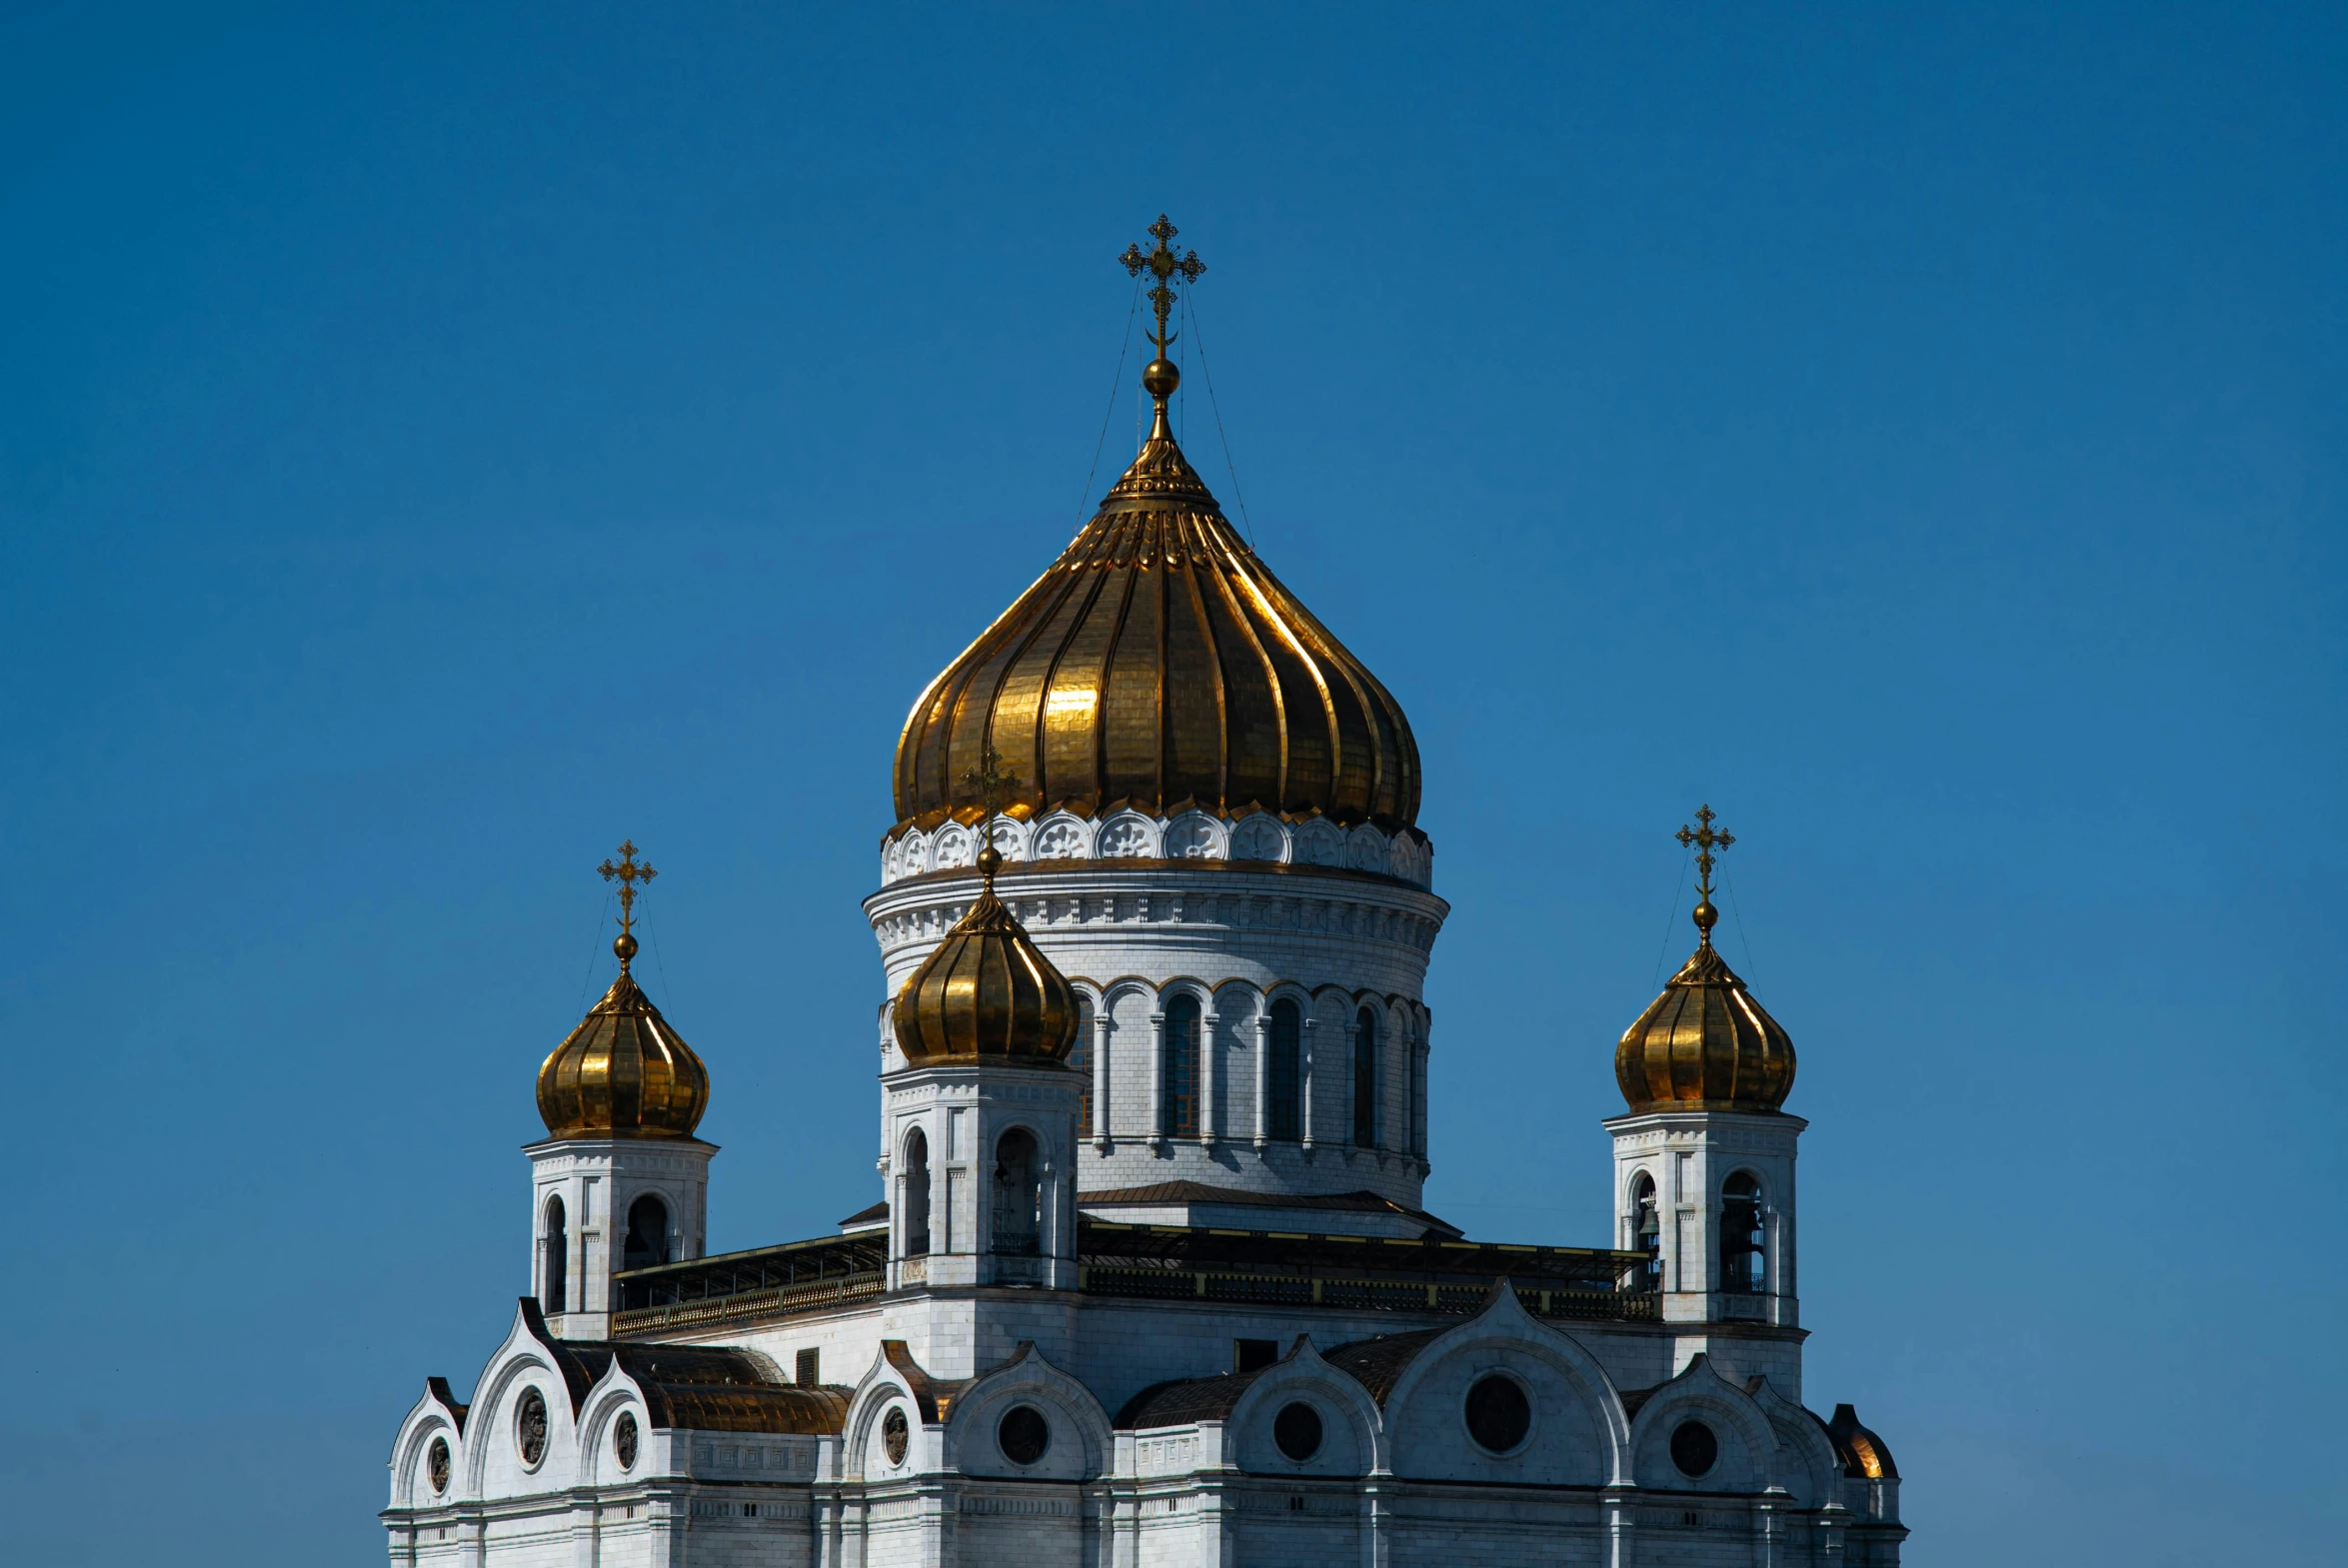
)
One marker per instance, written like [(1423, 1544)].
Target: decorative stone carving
[(1318, 842), (530, 1426), (1125, 839), (1061, 839), (1191, 836), (624, 1439), (1259, 838), (896, 1434), (436, 1464)]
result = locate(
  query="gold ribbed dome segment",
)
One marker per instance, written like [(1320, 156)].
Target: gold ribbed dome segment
[(987, 993), (1704, 1045), (623, 1073), (1159, 664)]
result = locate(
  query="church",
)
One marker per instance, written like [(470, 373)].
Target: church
[(1150, 1281)]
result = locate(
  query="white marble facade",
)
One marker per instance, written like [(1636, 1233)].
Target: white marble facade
[(1347, 949), (983, 1404)]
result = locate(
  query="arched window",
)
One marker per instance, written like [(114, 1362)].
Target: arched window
[(1646, 1230), (1743, 1248), (1179, 1103), (1288, 1070), (1365, 1080), (648, 1234), (1019, 1195), (1080, 1063), (555, 1283), (916, 1192)]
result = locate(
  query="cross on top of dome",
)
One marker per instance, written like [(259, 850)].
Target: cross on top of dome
[(1164, 265), (1706, 842), (991, 783), (628, 871)]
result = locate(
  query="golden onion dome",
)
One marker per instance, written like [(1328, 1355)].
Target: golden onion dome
[(987, 993), (1159, 664), (1704, 1045), (622, 1072)]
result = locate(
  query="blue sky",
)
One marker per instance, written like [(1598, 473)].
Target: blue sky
[(437, 444)]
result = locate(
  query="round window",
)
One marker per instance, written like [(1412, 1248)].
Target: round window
[(894, 1434), (436, 1464), (1023, 1434), (1693, 1448), (624, 1439), (1297, 1430), (1499, 1414), (530, 1426)]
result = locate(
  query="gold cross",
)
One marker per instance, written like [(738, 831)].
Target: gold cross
[(1706, 840), (1164, 265), (628, 873), (989, 781)]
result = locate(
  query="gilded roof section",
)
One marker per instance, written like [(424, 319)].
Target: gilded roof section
[(1704, 1045), (987, 993), (708, 1388), (1379, 1364), (1159, 664), (1863, 1454), (1185, 1400), (623, 1073)]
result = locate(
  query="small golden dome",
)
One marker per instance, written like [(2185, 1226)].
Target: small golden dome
[(622, 1072), (1158, 664), (988, 994), (1704, 1045)]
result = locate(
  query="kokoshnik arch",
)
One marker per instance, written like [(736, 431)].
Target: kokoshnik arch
[(1150, 1279)]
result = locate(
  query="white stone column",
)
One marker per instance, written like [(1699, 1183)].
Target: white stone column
[(1263, 1074), (1307, 1025), (1210, 1081), (1047, 1223), (1157, 1078), (1103, 1027)]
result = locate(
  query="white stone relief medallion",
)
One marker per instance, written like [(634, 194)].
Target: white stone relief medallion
[(1189, 839), (1006, 840), (530, 1426), (1258, 837), (953, 848), (1369, 849), (1061, 841), (1123, 838), (1320, 843)]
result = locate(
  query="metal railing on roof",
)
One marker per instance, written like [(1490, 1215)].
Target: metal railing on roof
[(797, 1276), (1357, 1273), (1168, 1264)]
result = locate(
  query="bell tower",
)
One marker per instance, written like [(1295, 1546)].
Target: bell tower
[(619, 1181), (1705, 1160), (979, 1104)]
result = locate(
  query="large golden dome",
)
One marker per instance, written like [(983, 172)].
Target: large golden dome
[(1159, 664), (622, 1072), (987, 992)]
